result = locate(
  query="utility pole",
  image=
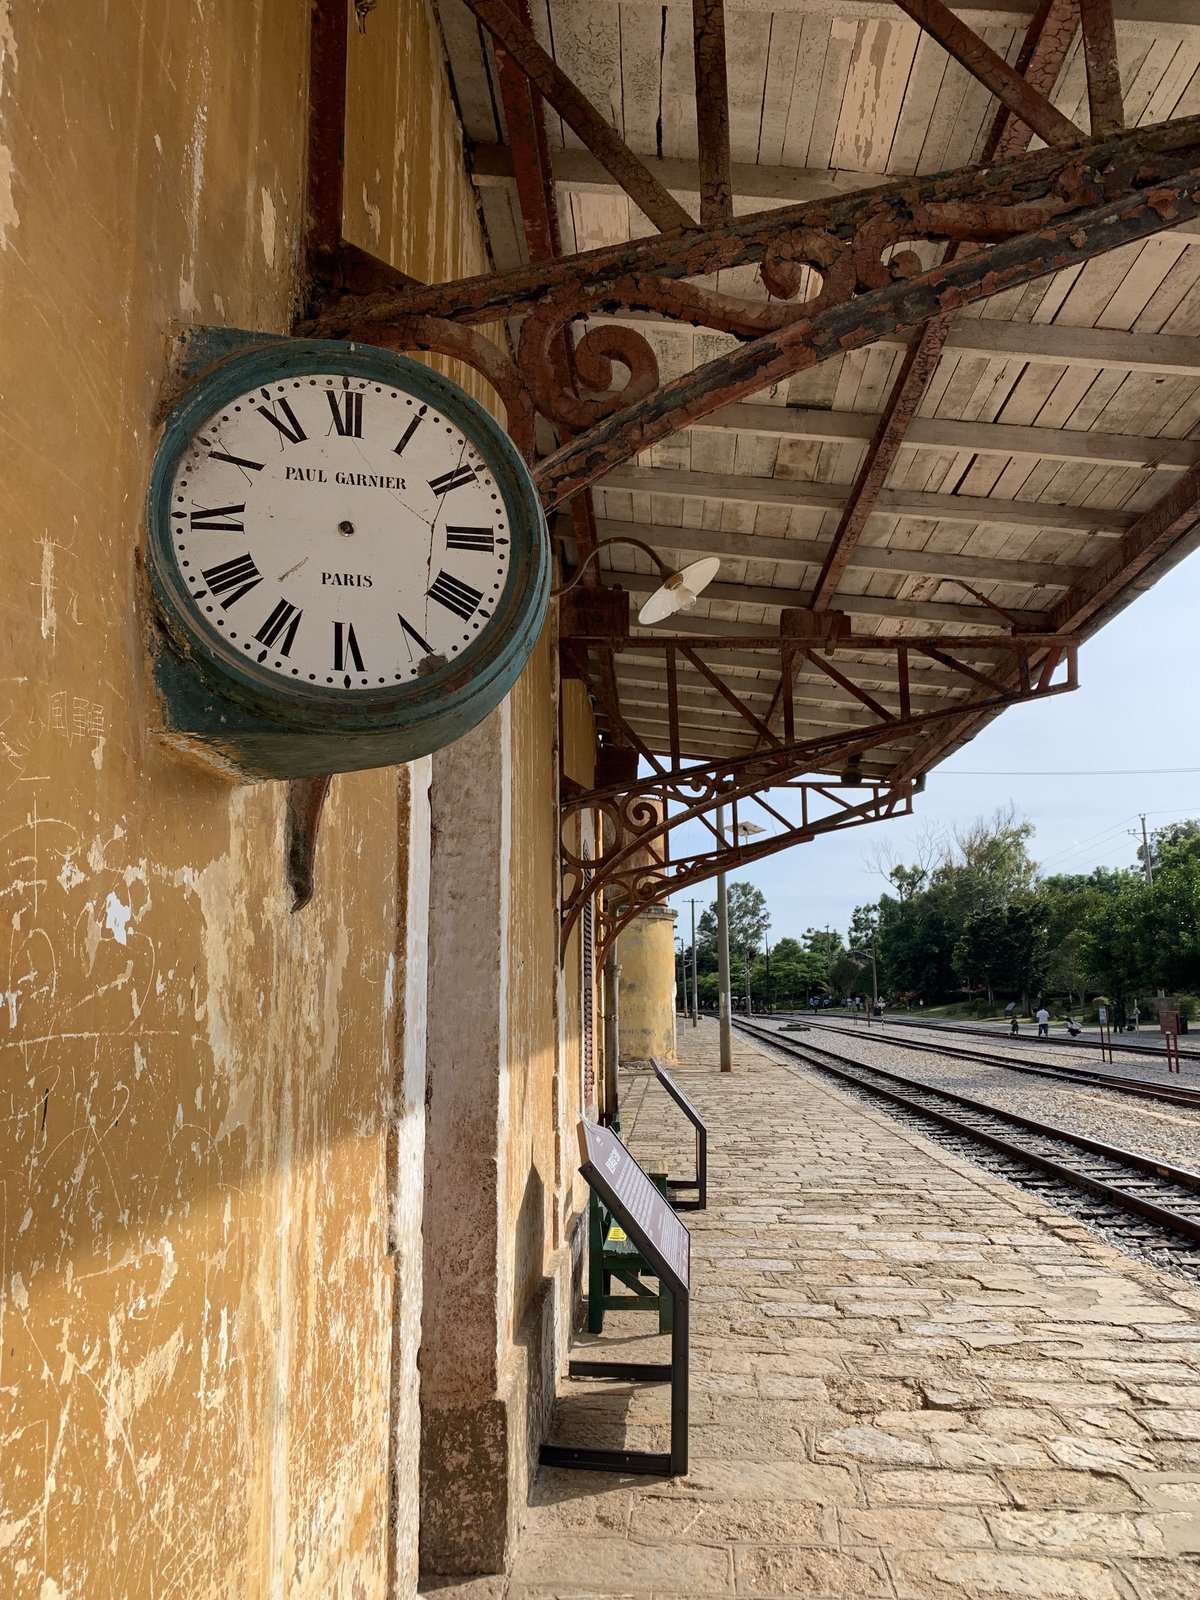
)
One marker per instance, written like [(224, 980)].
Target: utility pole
[(1148, 868), (724, 1003), (695, 979), (1146, 861)]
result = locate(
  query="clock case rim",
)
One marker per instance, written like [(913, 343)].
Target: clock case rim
[(213, 376)]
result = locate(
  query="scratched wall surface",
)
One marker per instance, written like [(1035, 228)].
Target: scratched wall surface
[(532, 1180), (381, 205), (195, 1298)]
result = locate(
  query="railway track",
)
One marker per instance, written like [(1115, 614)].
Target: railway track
[(1023, 1041), (1176, 1094), (1142, 1203)]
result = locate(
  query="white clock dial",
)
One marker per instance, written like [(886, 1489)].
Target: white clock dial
[(338, 532)]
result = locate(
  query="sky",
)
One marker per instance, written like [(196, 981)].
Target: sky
[(1080, 767)]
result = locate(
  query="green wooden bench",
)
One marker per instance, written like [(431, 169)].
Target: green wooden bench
[(613, 1256)]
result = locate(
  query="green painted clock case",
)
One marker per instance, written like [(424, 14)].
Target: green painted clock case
[(233, 715)]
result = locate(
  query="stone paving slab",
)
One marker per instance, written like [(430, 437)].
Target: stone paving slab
[(910, 1379)]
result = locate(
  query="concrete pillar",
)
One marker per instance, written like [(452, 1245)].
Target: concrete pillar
[(467, 1510), (646, 952), (407, 988)]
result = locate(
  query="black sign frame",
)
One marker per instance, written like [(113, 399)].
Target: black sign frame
[(649, 1221), (679, 1187)]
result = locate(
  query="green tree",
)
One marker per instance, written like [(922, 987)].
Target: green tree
[(748, 920)]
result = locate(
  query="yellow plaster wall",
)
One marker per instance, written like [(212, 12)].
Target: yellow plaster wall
[(195, 1300), (529, 1143), (646, 1008)]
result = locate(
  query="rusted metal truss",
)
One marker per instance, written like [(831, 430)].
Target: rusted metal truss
[(839, 274), (850, 258), (636, 817), (620, 892)]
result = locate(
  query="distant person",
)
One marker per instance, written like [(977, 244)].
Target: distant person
[(1043, 1022), (1014, 1027), (1073, 1028), (1134, 1017)]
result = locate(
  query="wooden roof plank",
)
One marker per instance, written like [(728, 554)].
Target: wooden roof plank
[(945, 433)]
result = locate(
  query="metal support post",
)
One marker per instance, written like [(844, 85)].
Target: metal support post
[(612, 1035), (724, 1002)]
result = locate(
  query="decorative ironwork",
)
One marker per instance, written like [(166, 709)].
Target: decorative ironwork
[(620, 893), (839, 274), (636, 820), (851, 259)]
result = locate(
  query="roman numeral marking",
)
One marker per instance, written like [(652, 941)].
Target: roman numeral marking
[(208, 519), (408, 433), (345, 647), (347, 413), (230, 580), (290, 428), (422, 645), (455, 595), (456, 478), (471, 539), (285, 615), (235, 461)]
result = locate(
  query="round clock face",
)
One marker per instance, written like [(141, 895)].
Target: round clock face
[(337, 531)]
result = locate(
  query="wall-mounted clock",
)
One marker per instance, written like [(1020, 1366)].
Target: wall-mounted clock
[(348, 558)]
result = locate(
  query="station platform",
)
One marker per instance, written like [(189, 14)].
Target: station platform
[(910, 1379)]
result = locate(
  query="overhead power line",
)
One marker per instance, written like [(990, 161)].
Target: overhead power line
[(1076, 772)]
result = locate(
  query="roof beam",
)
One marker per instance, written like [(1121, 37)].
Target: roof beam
[(954, 35), (712, 112), (578, 172), (926, 676), (592, 129), (1040, 344), (1020, 98), (1165, 532), (811, 686), (821, 711), (788, 551), (757, 594), (975, 510), (1142, 17), (1105, 104), (899, 409), (937, 433)]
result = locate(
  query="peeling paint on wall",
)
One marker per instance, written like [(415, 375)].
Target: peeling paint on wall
[(267, 226), (8, 65)]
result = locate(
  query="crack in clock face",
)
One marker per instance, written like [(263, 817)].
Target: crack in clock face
[(339, 532)]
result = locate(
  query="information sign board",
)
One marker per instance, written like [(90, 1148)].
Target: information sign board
[(664, 1244), (646, 1215)]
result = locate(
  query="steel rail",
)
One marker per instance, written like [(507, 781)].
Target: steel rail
[(1026, 1040), (1185, 1224), (1178, 1094)]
